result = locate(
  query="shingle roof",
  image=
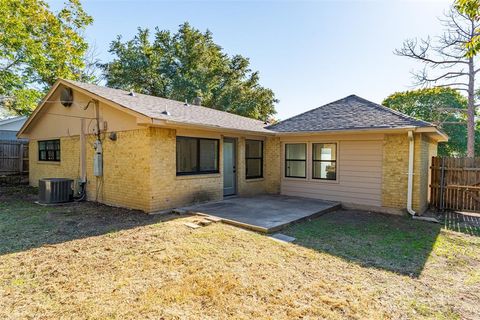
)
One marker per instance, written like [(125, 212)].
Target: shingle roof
[(349, 113), (154, 107)]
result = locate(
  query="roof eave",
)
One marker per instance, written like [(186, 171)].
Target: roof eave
[(20, 133), (179, 124), (438, 135), (341, 131)]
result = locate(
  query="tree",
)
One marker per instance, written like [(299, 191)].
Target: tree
[(188, 65), (37, 47), (448, 64), (471, 8), (442, 106)]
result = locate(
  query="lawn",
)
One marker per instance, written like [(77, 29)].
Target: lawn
[(90, 261)]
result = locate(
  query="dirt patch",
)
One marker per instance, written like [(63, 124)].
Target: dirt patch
[(26, 224)]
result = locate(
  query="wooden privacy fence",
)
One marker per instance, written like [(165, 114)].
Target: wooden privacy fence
[(455, 184), (13, 156)]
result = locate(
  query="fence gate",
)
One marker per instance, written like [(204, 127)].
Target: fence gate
[(13, 157), (455, 184)]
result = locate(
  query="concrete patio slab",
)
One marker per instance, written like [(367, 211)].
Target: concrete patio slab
[(282, 237), (264, 213)]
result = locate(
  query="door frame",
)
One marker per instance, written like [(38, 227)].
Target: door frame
[(235, 162)]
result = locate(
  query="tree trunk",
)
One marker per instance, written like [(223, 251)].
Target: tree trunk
[(471, 110)]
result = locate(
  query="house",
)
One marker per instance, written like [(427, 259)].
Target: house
[(10, 126), (149, 153)]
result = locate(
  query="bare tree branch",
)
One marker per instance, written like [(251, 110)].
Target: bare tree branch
[(452, 84), (411, 49)]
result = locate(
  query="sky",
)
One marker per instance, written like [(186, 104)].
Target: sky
[(308, 53)]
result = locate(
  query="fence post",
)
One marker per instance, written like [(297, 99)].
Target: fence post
[(20, 157), (442, 182)]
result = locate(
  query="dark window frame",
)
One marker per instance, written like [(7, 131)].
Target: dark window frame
[(198, 171), (296, 160), (254, 158), (329, 161), (56, 151)]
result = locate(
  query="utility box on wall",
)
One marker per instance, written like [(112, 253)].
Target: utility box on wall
[(98, 159)]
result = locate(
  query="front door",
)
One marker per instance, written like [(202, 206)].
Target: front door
[(229, 167)]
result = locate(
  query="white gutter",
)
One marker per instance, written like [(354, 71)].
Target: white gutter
[(411, 154)]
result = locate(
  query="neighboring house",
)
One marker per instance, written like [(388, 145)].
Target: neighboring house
[(10, 126), (160, 154)]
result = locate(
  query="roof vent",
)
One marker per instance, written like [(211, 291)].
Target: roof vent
[(131, 93), (186, 103), (166, 111), (197, 101), (66, 97)]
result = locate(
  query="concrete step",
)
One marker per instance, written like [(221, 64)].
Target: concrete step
[(192, 225), (282, 237), (213, 218)]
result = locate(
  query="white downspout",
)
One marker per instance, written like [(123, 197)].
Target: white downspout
[(411, 158), (83, 166), (411, 150)]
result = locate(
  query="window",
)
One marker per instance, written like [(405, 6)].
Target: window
[(49, 150), (197, 155), (254, 159), (296, 160), (324, 161)]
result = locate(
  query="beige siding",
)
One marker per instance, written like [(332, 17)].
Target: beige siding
[(359, 174), (55, 120)]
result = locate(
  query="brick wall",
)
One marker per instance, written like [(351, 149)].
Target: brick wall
[(270, 183), (273, 160), (68, 167), (140, 173), (126, 171), (395, 171), (168, 190), (126, 168)]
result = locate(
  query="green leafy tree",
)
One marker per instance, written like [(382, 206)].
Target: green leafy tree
[(188, 65), (471, 9), (38, 46), (444, 107)]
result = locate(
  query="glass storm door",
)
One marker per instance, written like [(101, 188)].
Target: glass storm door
[(229, 169)]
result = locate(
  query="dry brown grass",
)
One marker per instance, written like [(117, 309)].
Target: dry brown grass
[(163, 269)]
